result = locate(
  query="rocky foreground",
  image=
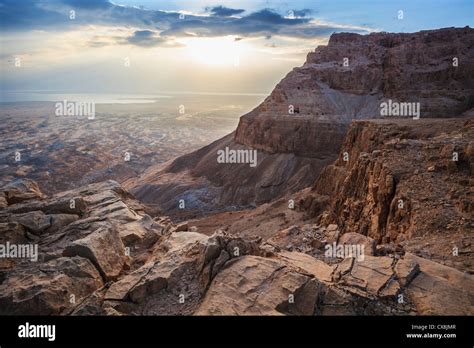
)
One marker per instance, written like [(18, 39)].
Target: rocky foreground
[(99, 253)]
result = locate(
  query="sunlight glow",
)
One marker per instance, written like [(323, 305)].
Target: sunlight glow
[(216, 52)]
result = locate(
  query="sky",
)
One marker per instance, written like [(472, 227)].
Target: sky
[(227, 46)]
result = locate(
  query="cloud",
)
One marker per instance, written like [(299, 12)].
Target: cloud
[(148, 38), (302, 13), (223, 11), (26, 15), (88, 4), (159, 28), (264, 23), (267, 16)]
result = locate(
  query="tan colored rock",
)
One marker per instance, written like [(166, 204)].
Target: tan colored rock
[(440, 290), (116, 210), (143, 233), (120, 289), (103, 248), (406, 269), (370, 274), (184, 273), (21, 190), (343, 268), (352, 238), (308, 265), (252, 285), (376, 193), (180, 269), (391, 289), (67, 204), (46, 289), (332, 233)]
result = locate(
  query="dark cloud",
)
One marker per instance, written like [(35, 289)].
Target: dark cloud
[(146, 38), (265, 23), (224, 11), (156, 27), (88, 4), (268, 16), (149, 38), (302, 13)]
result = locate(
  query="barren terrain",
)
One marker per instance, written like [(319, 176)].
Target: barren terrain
[(63, 152)]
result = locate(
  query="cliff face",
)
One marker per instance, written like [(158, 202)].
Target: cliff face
[(403, 183), (326, 93), (300, 127)]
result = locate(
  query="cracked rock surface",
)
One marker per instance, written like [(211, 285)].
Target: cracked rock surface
[(123, 262)]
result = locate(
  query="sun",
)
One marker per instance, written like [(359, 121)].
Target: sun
[(216, 52)]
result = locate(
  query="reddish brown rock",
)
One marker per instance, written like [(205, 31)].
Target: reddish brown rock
[(19, 191), (51, 288), (300, 127), (384, 191)]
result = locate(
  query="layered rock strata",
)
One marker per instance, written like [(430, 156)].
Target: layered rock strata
[(403, 182), (300, 127)]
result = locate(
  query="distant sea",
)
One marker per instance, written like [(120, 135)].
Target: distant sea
[(103, 98)]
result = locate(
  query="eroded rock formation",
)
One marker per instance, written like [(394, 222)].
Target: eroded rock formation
[(300, 127), (113, 259), (403, 182)]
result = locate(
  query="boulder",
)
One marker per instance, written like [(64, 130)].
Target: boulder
[(352, 238), (308, 265), (142, 233), (59, 221), (173, 281), (50, 288), (35, 221), (104, 249), (21, 190), (175, 278), (440, 290), (369, 275), (406, 269), (252, 285)]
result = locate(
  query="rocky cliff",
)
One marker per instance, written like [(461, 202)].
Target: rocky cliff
[(350, 77), (403, 183), (299, 128)]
